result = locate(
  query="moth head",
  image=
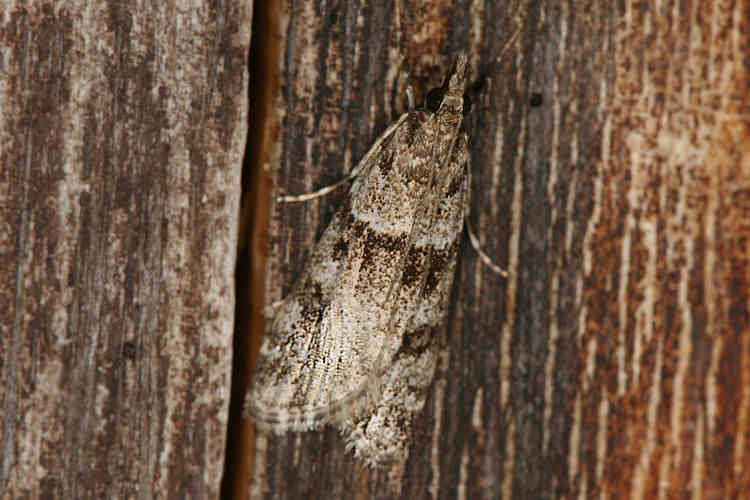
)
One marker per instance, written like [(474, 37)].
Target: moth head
[(452, 92), (434, 98)]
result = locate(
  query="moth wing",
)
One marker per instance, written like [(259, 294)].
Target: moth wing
[(383, 435), (333, 336)]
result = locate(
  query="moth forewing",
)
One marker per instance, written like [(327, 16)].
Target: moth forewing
[(341, 289), (354, 342), (383, 434)]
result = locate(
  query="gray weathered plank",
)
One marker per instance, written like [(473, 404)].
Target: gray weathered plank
[(122, 130)]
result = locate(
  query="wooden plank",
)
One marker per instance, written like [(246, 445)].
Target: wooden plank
[(609, 149), (122, 133)]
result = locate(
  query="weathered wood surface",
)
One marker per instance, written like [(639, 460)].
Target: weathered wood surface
[(122, 130), (615, 361)]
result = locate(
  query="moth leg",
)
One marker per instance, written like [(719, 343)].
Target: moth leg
[(375, 149), (320, 192), (486, 260)]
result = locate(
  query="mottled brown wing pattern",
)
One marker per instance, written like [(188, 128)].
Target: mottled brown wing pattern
[(383, 434), (354, 341)]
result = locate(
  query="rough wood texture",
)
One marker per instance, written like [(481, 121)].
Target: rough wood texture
[(122, 130), (615, 361)]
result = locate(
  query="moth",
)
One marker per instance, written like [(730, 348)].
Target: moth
[(354, 344)]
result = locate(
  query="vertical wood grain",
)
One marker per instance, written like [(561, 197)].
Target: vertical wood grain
[(122, 132)]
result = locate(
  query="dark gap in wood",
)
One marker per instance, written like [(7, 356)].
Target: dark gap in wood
[(252, 242)]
